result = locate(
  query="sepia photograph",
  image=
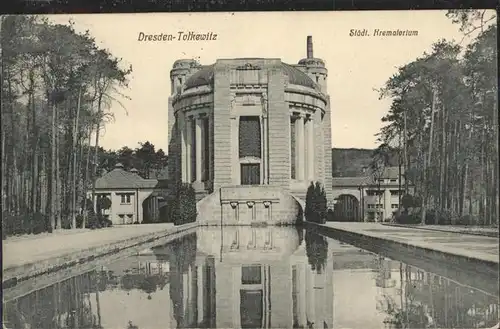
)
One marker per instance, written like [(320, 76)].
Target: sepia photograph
[(250, 170)]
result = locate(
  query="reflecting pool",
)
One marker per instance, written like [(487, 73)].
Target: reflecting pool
[(254, 277)]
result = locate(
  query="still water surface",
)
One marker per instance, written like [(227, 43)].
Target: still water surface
[(243, 277)]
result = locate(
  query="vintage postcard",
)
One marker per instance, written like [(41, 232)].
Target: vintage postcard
[(250, 170)]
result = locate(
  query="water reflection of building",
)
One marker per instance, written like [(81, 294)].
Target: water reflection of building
[(261, 279), (240, 277)]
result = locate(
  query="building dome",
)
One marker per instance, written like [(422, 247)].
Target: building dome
[(205, 76), (297, 77)]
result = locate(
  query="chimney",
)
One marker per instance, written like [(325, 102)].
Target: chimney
[(309, 46)]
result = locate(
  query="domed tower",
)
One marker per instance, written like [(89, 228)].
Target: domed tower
[(181, 70), (315, 67)]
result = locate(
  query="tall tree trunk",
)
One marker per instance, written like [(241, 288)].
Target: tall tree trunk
[(4, 170), (17, 191), (53, 170), (34, 147), (442, 155), (86, 179), (405, 146), (96, 150), (495, 159), (58, 183), (427, 164), (75, 172), (482, 180)]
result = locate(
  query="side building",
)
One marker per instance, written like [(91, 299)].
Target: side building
[(369, 198), (133, 199)]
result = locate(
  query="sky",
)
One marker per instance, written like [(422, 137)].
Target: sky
[(357, 65)]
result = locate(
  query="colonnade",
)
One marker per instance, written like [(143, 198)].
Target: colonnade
[(193, 145), (304, 147)]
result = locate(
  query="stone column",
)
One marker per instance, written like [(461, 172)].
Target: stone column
[(204, 173), (299, 148), (310, 149), (189, 142), (183, 148), (264, 155), (198, 144)]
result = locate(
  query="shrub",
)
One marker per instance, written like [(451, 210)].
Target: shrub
[(40, 223), (93, 221), (309, 201), (183, 206), (330, 215), (24, 224), (466, 220), (79, 221), (405, 218), (439, 217), (316, 204)]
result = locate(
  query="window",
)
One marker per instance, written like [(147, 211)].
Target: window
[(122, 219), (394, 206), (249, 137), (394, 180), (396, 192), (251, 275), (130, 219), (125, 198), (381, 180)]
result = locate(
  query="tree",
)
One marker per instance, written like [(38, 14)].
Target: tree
[(147, 156), (316, 204), (449, 104), (48, 116), (380, 161)]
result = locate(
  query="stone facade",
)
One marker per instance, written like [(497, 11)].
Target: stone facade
[(209, 110)]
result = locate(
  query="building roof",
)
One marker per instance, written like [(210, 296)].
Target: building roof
[(205, 76), (118, 178), (350, 181)]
